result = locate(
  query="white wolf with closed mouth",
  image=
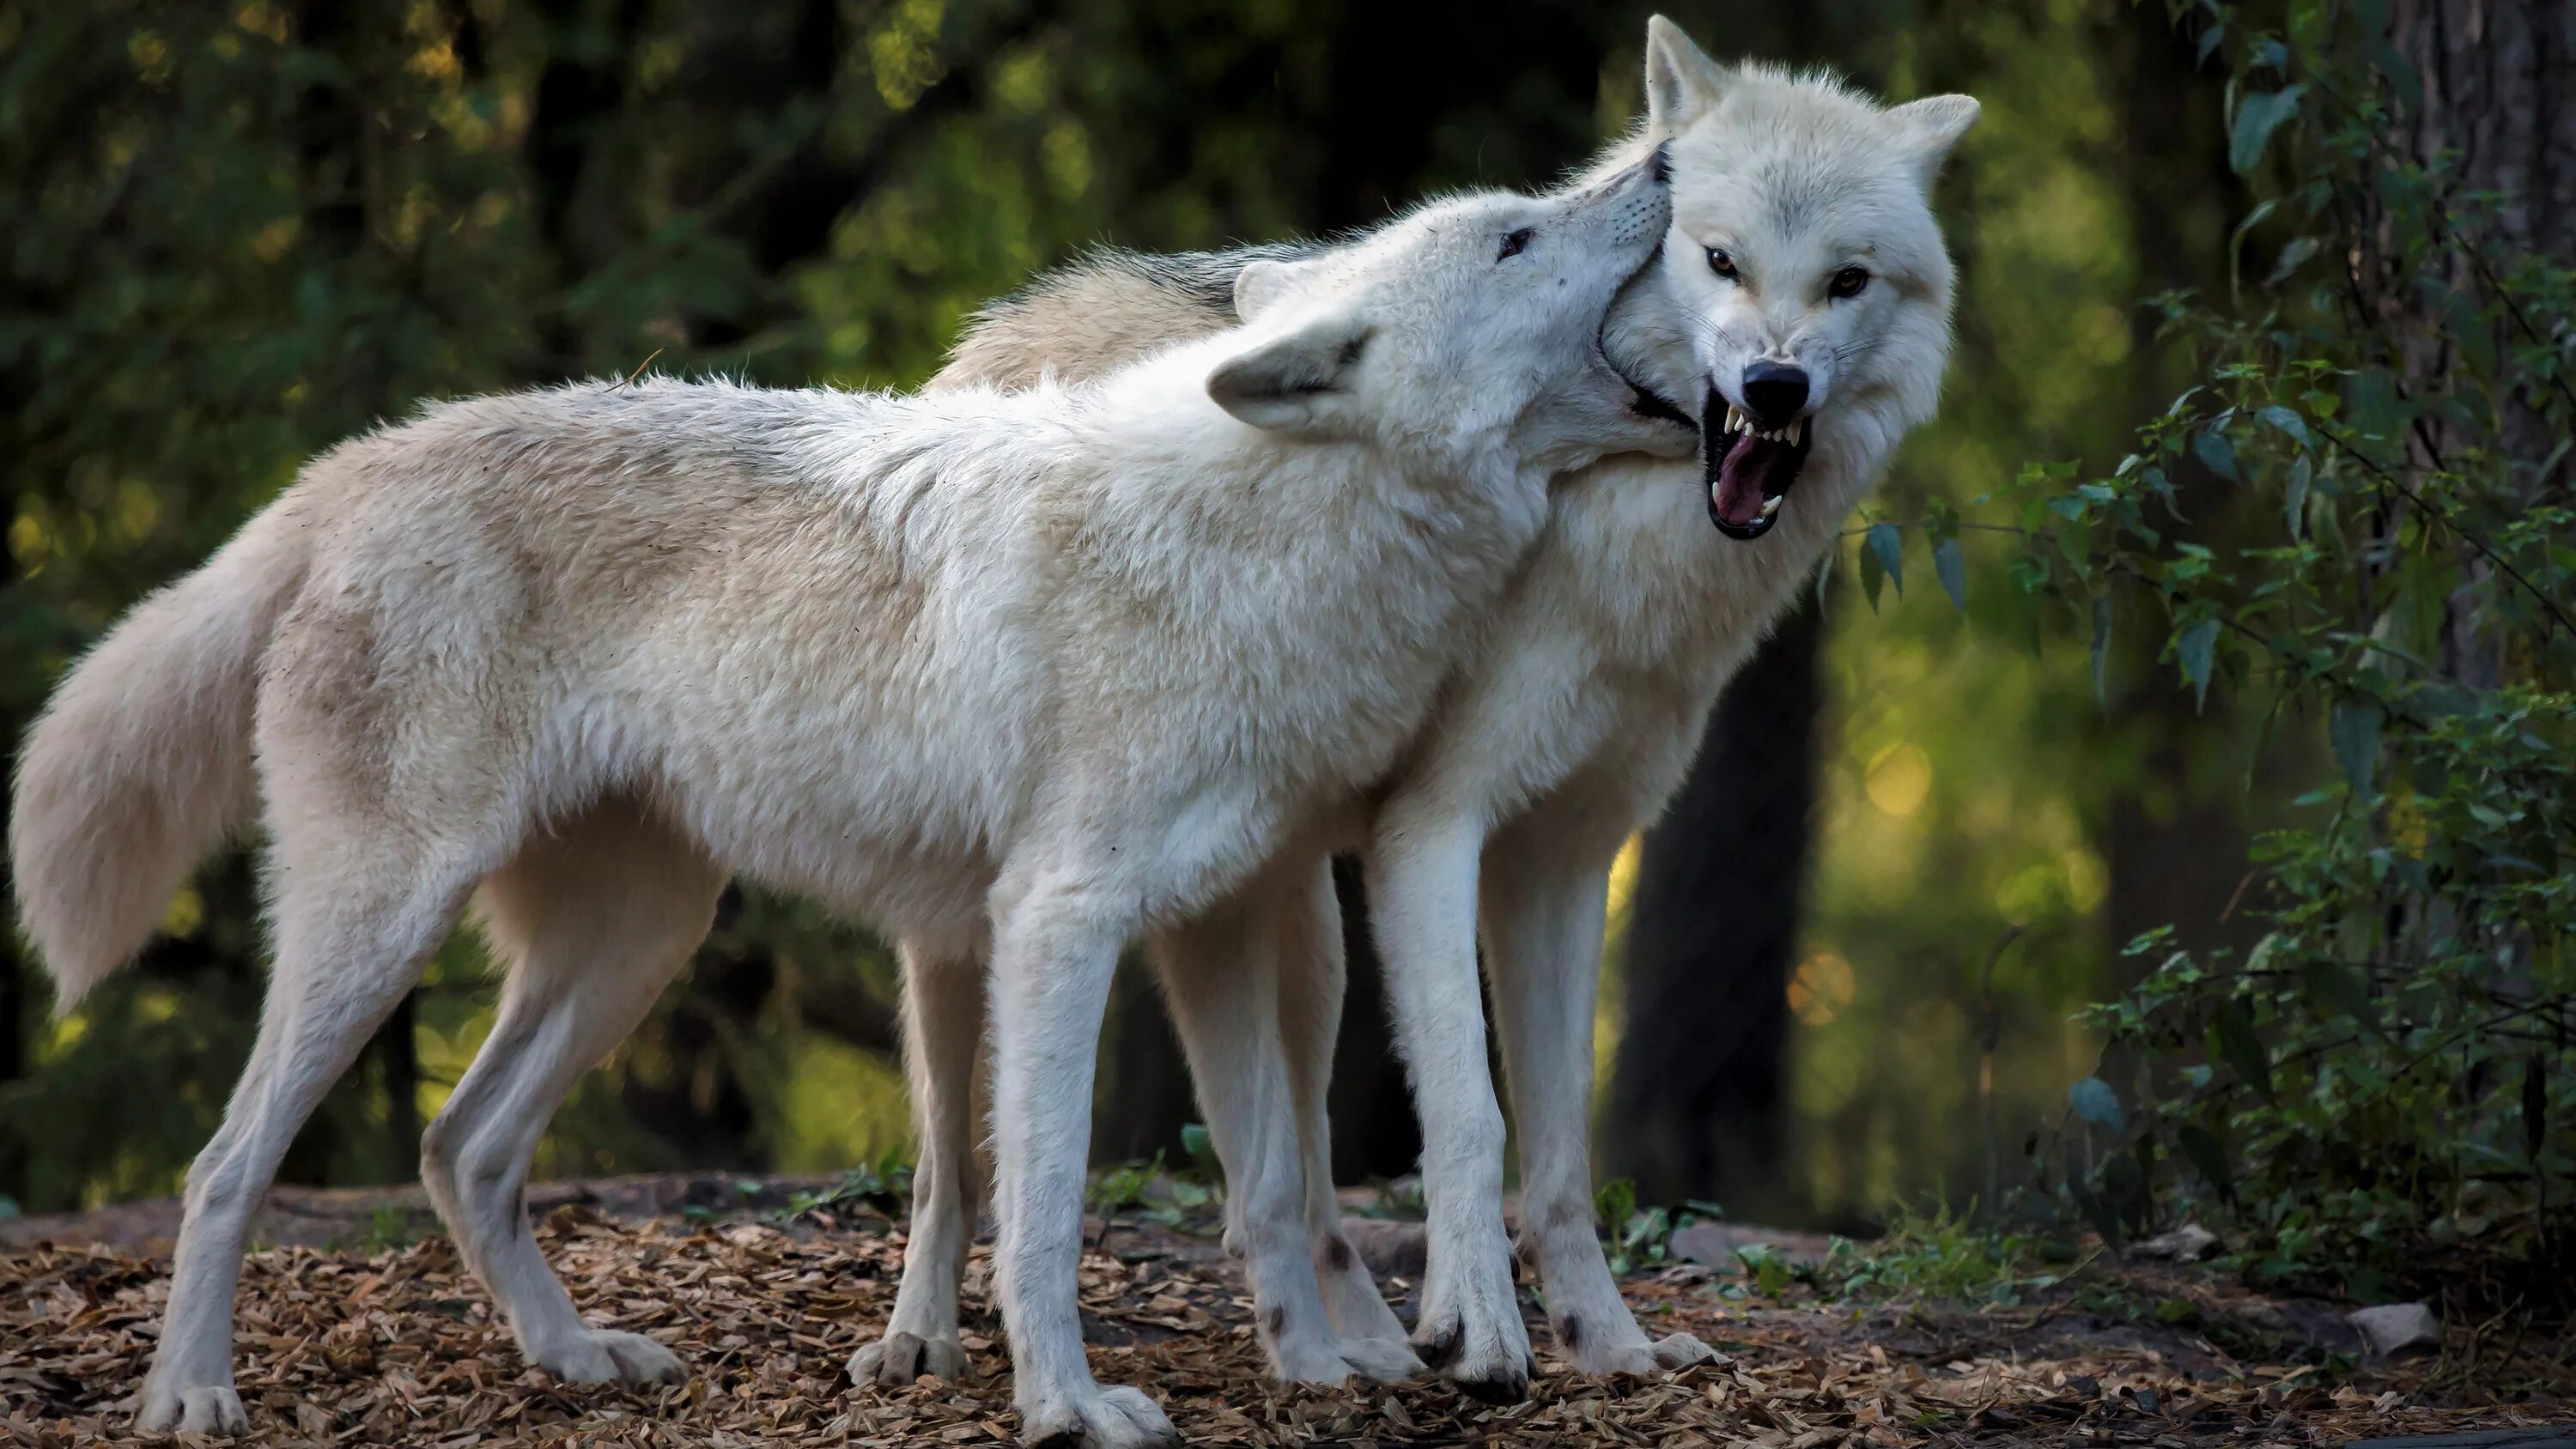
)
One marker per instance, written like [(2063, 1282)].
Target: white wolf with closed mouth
[(1802, 306), (1017, 677)]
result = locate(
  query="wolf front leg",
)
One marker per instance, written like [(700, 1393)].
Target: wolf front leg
[(1055, 947), (1423, 904), (1544, 899)]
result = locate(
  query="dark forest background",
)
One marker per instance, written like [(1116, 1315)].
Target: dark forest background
[(235, 233)]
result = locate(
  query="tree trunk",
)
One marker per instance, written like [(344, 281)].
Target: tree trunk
[(1699, 1100), (2494, 78)]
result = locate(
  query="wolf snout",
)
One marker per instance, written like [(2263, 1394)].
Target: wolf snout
[(1774, 393)]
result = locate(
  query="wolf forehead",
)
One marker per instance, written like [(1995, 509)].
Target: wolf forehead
[(1788, 154)]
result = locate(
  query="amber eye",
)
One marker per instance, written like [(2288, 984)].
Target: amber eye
[(1849, 282), (1722, 264), (1515, 243)]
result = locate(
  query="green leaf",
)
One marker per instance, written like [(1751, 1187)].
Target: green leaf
[(2233, 1026), (2094, 1101), (2194, 647), (2215, 453), (2296, 505), (1889, 545), (2294, 255), (2257, 117), (1873, 577), (1953, 572), (2355, 730), (2288, 422)]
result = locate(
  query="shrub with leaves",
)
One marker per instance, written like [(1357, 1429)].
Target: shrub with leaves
[(2354, 536)]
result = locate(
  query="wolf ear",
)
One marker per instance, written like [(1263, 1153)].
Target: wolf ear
[(1933, 125), (1682, 83), (1293, 381), (1263, 284)]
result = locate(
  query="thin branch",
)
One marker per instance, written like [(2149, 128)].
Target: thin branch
[(2556, 614)]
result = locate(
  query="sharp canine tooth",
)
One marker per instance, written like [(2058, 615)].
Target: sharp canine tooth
[(1734, 418), (1770, 506), (1798, 431)]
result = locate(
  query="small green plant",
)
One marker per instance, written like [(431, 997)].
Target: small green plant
[(1642, 1238), (883, 1186), (1398, 1200), (390, 1225), (1157, 1193), (1941, 1254)]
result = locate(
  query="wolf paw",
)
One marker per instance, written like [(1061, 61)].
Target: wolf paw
[(1325, 1359), (1352, 1303), (1643, 1358), (1489, 1361), (191, 1409), (606, 1356), (899, 1358), (1119, 1418)]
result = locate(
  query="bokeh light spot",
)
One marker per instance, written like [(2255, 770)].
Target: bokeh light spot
[(1900, 778), (1821, 988)]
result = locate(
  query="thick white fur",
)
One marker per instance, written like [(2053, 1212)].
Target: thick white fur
[(1575, 718), (1017, 677)]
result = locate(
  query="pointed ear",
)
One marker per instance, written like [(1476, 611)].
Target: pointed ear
[(1264, 284), (1934, 125), (1298, 380), (1682, 83)]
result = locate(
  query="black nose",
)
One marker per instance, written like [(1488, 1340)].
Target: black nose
[(1774, 392)]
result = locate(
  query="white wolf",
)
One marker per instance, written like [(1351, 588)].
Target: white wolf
[(1803, 304), (1019, 676)]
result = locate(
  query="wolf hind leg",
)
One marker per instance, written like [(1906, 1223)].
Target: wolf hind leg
[(943, 1021), (1312, 975), (357, 912), (1223, 976), (593, 919), (1544, 902)]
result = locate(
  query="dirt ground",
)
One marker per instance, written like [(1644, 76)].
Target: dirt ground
[(346, 1337)]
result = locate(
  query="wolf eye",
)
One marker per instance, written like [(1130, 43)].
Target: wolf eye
[(1849, 282), (1515, 243), (1722, 264)]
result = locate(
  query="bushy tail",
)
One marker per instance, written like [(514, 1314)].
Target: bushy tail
[(141, 762)]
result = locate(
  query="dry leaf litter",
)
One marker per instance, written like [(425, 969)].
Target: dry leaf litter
[(400, 1347)]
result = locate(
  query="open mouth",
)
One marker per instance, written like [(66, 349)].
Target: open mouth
[(1749, 472)]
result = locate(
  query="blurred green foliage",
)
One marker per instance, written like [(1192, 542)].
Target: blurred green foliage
[(2375, 1089)]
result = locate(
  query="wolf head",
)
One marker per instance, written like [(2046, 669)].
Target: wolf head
[(1469, 324), (1804, 278)]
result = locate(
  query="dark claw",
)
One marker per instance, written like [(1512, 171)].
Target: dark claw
[(1508, 1389)]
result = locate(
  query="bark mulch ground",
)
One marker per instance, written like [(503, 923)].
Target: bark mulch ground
[(397, 1346)]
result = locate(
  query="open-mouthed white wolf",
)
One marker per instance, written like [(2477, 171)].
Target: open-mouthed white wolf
[(1016, 677), (1802, 306)]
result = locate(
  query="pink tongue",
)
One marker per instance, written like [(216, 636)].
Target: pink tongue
[(1739, 478)]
